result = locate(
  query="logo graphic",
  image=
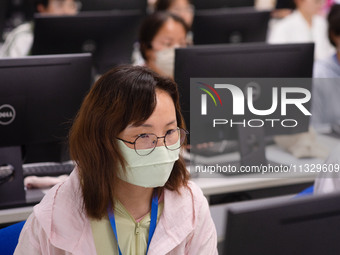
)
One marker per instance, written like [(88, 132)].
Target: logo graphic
[(240, 100), (7, 114), (204, 97)]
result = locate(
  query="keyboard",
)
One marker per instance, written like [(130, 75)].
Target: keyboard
[(48, 168)]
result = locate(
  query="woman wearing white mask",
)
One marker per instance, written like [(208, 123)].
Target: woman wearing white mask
[(129, 193), (159, 35)]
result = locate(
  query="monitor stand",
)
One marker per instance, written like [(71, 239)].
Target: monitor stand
[(12, 193)]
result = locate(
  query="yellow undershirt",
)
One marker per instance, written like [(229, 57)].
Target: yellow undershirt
[(132, 235)]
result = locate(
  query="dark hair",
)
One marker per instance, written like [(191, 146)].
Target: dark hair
[(164, 5), (124, 95), (334, 22), (150, 27)]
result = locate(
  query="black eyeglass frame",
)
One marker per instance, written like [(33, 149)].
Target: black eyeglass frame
[(158, 137)]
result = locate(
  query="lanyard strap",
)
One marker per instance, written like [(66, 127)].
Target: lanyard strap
[(153, 222)]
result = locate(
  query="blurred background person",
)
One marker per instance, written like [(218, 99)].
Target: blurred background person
[(19, 41), (160, 34), (305, 24)]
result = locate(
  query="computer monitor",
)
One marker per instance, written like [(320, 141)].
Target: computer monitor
[(102, 5), (109, 36), (233, 25), (306, 225), (214, 4), (39, 97), (252, 60)]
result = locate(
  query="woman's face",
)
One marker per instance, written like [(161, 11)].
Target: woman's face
[(171, 35), (183, 9), (161, 120)]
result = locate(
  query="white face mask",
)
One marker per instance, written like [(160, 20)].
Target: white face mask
[(165, 61), (148, 171)]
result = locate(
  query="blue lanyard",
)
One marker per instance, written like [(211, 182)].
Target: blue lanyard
[(153, 222)]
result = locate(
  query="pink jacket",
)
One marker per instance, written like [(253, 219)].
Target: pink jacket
[(59, 225)]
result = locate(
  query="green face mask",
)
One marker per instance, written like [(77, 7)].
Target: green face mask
[(148, 171)]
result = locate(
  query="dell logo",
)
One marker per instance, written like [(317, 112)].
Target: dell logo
[(7, 114)]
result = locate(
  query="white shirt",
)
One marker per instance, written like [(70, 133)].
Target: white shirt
[(295, 29), (18, 42)]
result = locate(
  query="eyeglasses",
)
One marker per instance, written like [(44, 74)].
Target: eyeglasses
[(146, 143)]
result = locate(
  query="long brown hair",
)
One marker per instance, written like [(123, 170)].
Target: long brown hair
[(124, 95)]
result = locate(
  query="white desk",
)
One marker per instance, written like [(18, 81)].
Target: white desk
[(15, 214)]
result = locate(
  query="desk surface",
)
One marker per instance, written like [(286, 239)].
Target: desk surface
[(218, 184)]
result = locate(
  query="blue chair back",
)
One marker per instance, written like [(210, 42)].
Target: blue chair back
[(9, 237)]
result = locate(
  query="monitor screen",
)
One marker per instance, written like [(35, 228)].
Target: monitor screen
[(235, 25), (213, 4), (102, 5), (307, 225), (39, 97), (109, 36), (240, 61)]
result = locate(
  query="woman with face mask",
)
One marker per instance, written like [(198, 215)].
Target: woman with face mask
[(160, 34), (129, 193)]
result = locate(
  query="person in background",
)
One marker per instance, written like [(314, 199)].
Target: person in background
[(18, 42), (159, 35), (304, 25), (330, 67), (129, 192)]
